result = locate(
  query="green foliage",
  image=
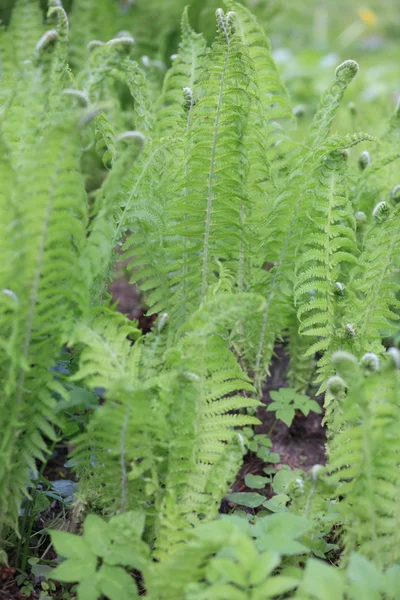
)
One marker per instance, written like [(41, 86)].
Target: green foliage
[(364, 457), (286, 401), (111, 543), (239, 232)]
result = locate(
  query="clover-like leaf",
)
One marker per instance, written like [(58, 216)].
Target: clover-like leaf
[(286, 401)]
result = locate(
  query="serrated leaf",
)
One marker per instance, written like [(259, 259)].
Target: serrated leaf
[(286, 415), (132, 521), (267, 562), (73, 570), (88, 589), (116, 583), (70, 546), (96, 533), (263, 440), (366, 580), (322, 581), (224, 569)]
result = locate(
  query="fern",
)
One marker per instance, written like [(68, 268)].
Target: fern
[(239, 232), (184, 73), (285, 224), (322, 256), (25, 30), (374, 304), (364, 459), (215, 164), (146, 447), (49, 235)]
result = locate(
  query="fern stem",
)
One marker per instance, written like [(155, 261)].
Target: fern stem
[(185, 193)]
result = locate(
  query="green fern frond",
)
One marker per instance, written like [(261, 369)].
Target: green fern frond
[(373, 288), (59, 76), (185, 72), (168, 458), (90, 20), (108, 225), (322, 255), (142, 211), (274, 97), (331, 100), (364, 463), (301, 365), (47, 238), (207, 217), (25, 30)]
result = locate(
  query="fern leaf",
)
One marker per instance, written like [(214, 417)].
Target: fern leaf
[(184, 73), (51, 235), (363, 465)]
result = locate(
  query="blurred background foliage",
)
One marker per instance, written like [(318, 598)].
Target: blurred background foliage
[(309, 38)]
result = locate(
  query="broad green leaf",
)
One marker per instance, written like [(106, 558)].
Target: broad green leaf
[(223, 591), (323, 582), (128, 554), (132, 521), (263, 440), (250, 499), (266, 455), (117, 584), (366, 581), (392, 582), (265, 564), (224, 570), (285, 414), (282, 544), (283, 395), (73, 570), (288, 524), (286, 400), (96, 532), (275, 586), (88, 589), (256, 482), (278, 533), (277, 503), (69, 545), (309, 405), (283, 480)]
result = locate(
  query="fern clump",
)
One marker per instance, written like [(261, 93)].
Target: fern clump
[(364, 458)]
